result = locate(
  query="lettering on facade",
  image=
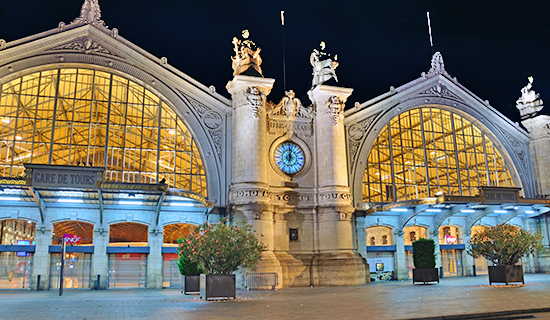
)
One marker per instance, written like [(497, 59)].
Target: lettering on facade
[(500, 196), (251, 193), (66, 178), (336, 196)]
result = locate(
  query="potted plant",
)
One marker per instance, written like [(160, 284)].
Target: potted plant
[(424, 261), (504, 245), (218, 250), (190, 272)]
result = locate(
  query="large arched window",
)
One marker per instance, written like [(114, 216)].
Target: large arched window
[(95, 118), (426, 152)]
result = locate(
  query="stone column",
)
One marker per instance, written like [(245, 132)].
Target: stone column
[(100, 260), (154, 260), (41, 258), (468, 262), (540, 148), (401, 271), (249, 190), (337, 260)]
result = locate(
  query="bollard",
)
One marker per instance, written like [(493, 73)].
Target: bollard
[(38, 283)]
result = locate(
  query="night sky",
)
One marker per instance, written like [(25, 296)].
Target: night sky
[(490, 46)]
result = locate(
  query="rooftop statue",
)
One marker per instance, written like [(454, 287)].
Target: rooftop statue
[(529, 103), (291, 107), (247, 58), (90, 13), (323, 66)]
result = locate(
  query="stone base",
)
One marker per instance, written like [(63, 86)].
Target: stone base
[(342, 268)]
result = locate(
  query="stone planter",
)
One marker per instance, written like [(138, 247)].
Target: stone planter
[(190, 284), (425, 275), (217, 286), (506, 274)]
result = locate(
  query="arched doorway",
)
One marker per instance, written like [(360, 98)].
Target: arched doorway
[(411, 234), (78, 257), (450, 241), (380, 252), (128, 255), (480, 263), (17, 239), (171, 277)]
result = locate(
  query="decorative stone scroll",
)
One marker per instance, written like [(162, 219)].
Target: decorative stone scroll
[(335, 107), (290, 116), (300, 127), (90, 13), (440, 90), (212, 120), (85, 45), (255, 99)]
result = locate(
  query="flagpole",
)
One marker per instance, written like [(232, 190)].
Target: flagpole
[(430, 31), (62, 267), (284, 62)]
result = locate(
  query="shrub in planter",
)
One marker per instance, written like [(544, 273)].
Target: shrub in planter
[(190, 272), (424, 261), (220, 249), (504, 245)]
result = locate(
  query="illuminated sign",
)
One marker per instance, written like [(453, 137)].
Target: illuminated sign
[(23, 242), (71, 238), (379, 267), (450, 239)]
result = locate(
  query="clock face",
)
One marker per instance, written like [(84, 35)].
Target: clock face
[(289, 157)]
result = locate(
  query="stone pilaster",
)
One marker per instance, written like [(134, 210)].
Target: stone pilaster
[(41, 258), (336, 260), (539, 130), (100, 258), (250, 195), (401, 271), (468, 262), (154, 260), (361, 236)]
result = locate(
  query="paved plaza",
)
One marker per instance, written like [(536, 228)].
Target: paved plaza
[(380, 300)]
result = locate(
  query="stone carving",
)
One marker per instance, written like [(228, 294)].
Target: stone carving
[(335, 107), (283, 116), (440, 90), (85, 45), (335, 196), (438, 66), (247, 58), (324, 67), (355, 142), (212, 120), (302, 127), (90, 13), (293, 197), (2, 44), (255, 97), (114, 33), (529, 104), (519, 149), (252, 193), (61, 26)]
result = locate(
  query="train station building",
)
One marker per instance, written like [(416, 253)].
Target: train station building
[(105, 141)]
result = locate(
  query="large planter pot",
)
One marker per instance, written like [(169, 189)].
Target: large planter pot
[(506, 274), (190, 284), (425, 275), (217, 286)]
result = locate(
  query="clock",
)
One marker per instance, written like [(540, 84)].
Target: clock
[(289, 157)]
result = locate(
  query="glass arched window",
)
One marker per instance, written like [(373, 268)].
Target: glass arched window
[(95, 118), (426, 152)]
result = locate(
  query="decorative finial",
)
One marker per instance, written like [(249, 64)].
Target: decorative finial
[(90, 14), (324, 66), (529, 104), (247, 58), (438, 66)]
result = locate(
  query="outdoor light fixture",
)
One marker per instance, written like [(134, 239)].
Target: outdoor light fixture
[(181, 204), (10, 198), (468, 210), (71, 200), (500, 211), (400, 209), (172, 132), (131, 203), (529, 211), (6, 120), (18, 138), (433, 210)]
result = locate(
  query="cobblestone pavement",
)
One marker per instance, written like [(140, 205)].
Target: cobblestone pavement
[(380, 300)]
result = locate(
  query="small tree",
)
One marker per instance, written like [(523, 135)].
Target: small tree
[(186, 267), (504, 244), (424, 253), (221, 248)]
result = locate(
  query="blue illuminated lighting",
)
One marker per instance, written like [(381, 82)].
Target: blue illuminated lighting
[(289, 157)]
